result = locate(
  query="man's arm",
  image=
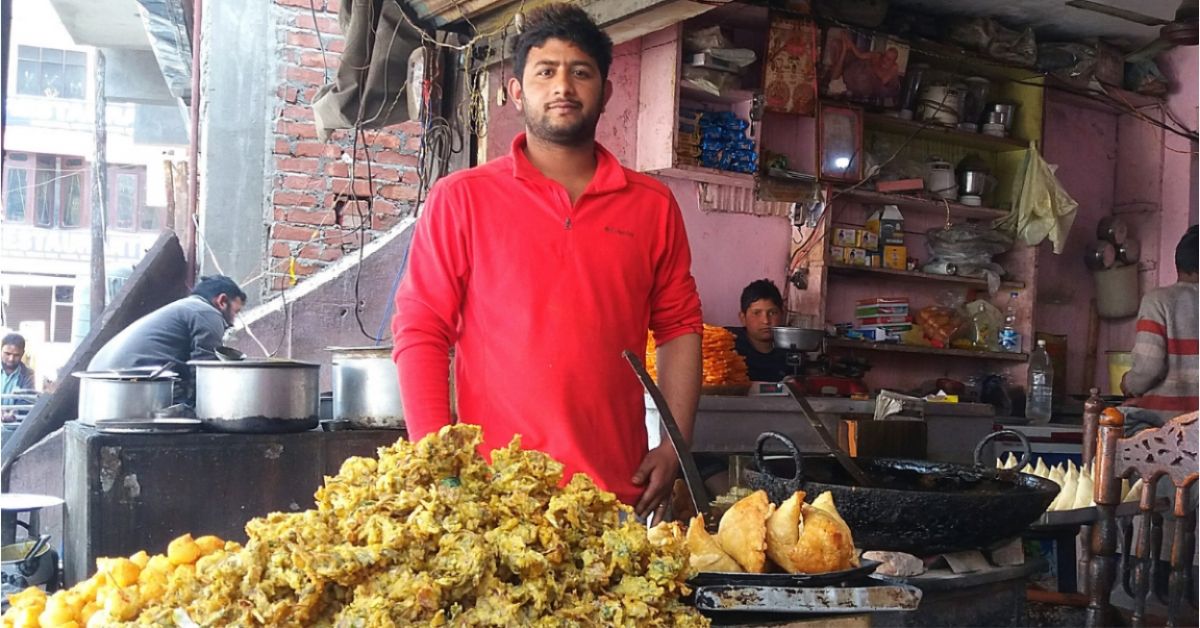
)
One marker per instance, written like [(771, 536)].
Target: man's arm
[(679, 378), (428, 307), (1149, 350), (677, 325)]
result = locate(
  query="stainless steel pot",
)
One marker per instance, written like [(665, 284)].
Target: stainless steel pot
[(122, 394), (257, 396), (366, 387), (797, 338)]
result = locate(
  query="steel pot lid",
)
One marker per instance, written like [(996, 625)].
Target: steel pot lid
[(270, 363), (138, 374), (24, 502)]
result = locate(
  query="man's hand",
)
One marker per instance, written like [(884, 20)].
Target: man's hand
[(657, 473)]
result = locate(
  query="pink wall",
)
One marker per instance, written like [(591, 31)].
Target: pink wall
[(1179, 193), (1083, 143), (728, 250), (1112, 162)]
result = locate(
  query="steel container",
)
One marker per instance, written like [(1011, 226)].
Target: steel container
[(257, 396), (797, 338), (122, 394), (366, 387)]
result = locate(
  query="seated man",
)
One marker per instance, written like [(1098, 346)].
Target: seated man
[(762, 309), (1165, 370), (188, 329)]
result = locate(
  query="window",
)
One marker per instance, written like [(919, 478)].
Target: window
[(125, 207), (51, 72), (149, 220), (48, 191), (61, 315), (16, 180), (45, 190), (72, 200)]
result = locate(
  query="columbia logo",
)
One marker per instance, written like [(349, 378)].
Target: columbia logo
[(620, 232)]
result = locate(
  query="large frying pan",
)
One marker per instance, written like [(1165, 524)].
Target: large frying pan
[(914, 506)]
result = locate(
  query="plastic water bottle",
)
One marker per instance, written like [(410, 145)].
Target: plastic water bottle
[(1010, 338), (1041, 386)]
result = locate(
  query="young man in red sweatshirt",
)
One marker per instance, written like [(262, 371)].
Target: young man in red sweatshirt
[(539, 268)]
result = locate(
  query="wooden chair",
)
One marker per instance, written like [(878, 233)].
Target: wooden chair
[(1170, 451)]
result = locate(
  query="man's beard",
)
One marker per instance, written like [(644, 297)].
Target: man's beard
[(227, 314), (572, 134)]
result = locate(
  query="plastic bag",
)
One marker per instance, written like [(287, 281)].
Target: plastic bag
[(1043, 208), (986, 321), (940, 324), (703, 39), (967, 249), (988, 36)]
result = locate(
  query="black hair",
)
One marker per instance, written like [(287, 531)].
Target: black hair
[(567, 22), (16, 340), (759, 290), (213, 286), (1185, 252)]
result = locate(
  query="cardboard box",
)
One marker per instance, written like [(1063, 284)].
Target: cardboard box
[(837, 254), (888, 223), (856, 257), (868, 241), (845, 236), (901, 185), (895, 257)]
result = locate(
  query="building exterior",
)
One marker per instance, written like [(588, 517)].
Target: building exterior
[(48, 189)]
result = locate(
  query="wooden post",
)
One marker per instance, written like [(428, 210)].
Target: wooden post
[(98, 285), (1102, 566)]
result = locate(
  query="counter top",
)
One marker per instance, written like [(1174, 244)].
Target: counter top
[(832, 405)]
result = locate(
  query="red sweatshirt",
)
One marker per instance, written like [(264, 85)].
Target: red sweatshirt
[(538, 299)]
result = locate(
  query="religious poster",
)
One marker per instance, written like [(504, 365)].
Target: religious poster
[(790, 77), (863, 67)]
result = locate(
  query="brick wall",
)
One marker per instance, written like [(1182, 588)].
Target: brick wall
[(315, 220)]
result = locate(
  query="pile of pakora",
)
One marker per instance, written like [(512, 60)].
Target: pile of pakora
[(754, 536), (722, 365), (429, 534)]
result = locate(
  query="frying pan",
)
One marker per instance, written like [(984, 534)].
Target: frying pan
[(914, 506)]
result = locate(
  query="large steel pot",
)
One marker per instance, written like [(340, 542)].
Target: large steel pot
[(366, 387), (123, 394), (257, 396), (914, 506)]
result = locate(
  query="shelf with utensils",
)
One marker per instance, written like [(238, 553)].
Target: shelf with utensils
[(920, 204), (845, 343), (933, 131), (916, 275)]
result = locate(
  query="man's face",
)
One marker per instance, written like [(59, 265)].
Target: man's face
[(561, 93), (759, 318), (10, 356), (229, 307)]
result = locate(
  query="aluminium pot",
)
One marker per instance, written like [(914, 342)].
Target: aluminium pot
[(914, 506), (366, 388), (257, 396), (123, 394)]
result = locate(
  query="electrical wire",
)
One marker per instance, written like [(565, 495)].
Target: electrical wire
[(312, 7)]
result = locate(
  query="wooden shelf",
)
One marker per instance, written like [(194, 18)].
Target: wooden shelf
[(727, 97), (707, 175), (843, 343), (934, 132), (916, 275), (917, 203)]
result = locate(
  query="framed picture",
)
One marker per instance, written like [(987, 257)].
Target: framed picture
[(839, 142), (790, 68), (863, 67)]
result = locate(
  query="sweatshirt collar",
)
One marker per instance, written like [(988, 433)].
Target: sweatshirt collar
[(609, 177)]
